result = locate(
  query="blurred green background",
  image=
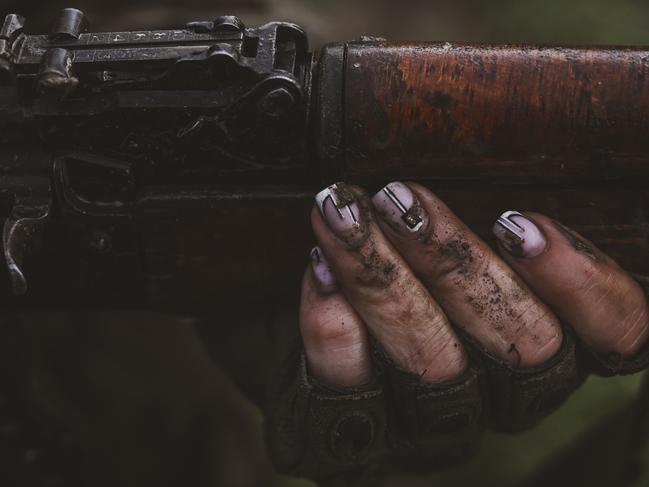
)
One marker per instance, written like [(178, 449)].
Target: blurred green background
[(592, 429), (546, 21)]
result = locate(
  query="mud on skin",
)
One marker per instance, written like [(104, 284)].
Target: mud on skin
[(494, 304), (377, 270), (578, 244), (347, 194)]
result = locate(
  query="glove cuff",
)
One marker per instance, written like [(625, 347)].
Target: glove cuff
[(515, 398), (430, 425), (332, 435)]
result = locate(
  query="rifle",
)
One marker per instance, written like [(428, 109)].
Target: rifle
[(175, 169)]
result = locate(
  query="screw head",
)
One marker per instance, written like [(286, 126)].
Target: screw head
[(276, 103), (101, 242)]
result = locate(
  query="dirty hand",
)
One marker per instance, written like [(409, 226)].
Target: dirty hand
[(416, 334)]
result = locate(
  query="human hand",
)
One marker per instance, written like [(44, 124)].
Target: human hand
[(416, 333)]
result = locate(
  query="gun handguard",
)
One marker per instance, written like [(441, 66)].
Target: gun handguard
[(176, 168)]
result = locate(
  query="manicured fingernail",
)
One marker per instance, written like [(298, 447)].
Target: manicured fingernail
[(518, 235), (338, 205), (322, 272), (399, 207)]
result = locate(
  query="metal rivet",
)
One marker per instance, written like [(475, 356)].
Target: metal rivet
[(56, 75), (12, 27), (71, 23), (101, 242), (276, 103), (229, 22)]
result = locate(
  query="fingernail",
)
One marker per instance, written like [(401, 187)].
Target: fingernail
[(518, 235), (338, 205), (399, 207), (322, 272)]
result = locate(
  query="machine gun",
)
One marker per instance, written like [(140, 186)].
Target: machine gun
[(175, 169)]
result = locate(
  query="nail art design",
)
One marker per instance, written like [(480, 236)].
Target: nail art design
[(342, 200), (397, 204), (518, 235), (338, 205), (515, 234), (322, 272)]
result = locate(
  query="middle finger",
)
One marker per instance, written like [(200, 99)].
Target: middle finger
[(478, 291), (393, 303)]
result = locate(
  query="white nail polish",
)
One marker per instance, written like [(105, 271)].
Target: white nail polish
[(518, 235), (397, 205), (338, 206)]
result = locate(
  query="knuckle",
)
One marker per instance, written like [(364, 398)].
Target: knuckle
[(440, 355), (548, 345), (376, 275), (616, 315), (591, 284), (542, 322), (634, 328), (637, 317), (454, 260), (374, 269), (331, 331), (452, 365)]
